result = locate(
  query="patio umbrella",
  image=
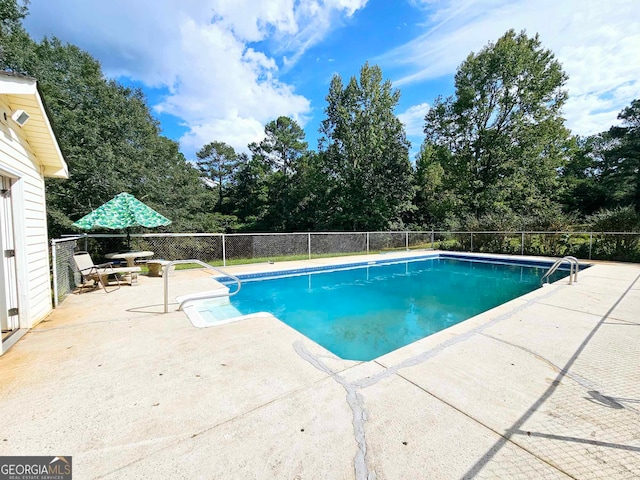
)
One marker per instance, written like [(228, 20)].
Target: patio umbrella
[(122, 211)]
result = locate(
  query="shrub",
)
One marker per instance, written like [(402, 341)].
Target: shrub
[(616, 247)]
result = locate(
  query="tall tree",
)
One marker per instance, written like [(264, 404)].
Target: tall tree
[(12, 13), (282, 153), (249, 193), (604, 171), (217, 161), (434, 203), (364, 151), (584, 191), (15, 43), (624, 157), (503, 128), (109, 138), (283, 145)]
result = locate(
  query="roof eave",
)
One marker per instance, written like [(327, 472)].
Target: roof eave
[(61, 170), (10, 84)]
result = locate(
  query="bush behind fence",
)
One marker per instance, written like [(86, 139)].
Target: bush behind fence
[(223, 249)]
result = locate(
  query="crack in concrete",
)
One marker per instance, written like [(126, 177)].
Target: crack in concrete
[(356, 404), (355, 399)]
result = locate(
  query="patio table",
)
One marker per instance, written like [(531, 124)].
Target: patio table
[(130, 257)]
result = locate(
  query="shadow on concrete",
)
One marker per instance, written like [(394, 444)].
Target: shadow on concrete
[(600, 399), (516, 427), (154, 308), (586, 441)]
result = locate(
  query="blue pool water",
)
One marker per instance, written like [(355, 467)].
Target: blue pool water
[(362, 313)]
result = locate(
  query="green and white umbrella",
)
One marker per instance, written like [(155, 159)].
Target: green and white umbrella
[(122, 211)]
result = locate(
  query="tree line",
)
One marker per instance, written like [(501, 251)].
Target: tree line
[(497, 154)]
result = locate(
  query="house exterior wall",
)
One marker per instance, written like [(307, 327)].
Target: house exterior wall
[(18, 161)]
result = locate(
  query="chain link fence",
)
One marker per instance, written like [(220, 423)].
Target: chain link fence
[(265, 247), (616, 246), (229, 249), (64, 273), (332, 244), (388, 241)]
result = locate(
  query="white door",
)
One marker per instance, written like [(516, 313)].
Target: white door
[(9, 318)]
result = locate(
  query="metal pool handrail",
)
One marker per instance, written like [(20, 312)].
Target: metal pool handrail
[(574, 267), (576, 264), (196, 296)]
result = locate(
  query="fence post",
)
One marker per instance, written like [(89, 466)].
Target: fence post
[(406, 240), (471, 242), (86, 243), (367, 243), (522, 244), (224, 252), (432, 239), (309, 244), (54, 268), (590, 243)]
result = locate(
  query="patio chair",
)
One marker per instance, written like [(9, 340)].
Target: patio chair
[(100, 273)]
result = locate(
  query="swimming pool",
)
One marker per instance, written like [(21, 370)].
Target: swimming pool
[(364, 311)]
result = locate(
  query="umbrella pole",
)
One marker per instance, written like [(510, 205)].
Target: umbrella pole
[(128, 240)]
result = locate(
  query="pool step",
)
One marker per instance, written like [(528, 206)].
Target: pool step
[(213, 314), (219, 295)]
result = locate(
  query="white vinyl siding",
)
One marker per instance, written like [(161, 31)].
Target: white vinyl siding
[(32, 253)]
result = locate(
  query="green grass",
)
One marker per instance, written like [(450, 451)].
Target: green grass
[(284, 258), (281, 258), (288, 258)]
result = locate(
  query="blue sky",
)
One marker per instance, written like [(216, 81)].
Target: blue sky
[(221, 69)]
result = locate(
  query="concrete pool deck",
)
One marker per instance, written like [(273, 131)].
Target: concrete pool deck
[(545, 386)]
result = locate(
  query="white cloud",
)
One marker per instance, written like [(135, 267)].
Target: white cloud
[(220, 84), (237, 131), (413, 119), (251, 20), (316, 18), (596, 42), (234, 94)]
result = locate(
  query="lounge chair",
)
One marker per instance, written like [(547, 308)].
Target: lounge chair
[(100, 273)]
